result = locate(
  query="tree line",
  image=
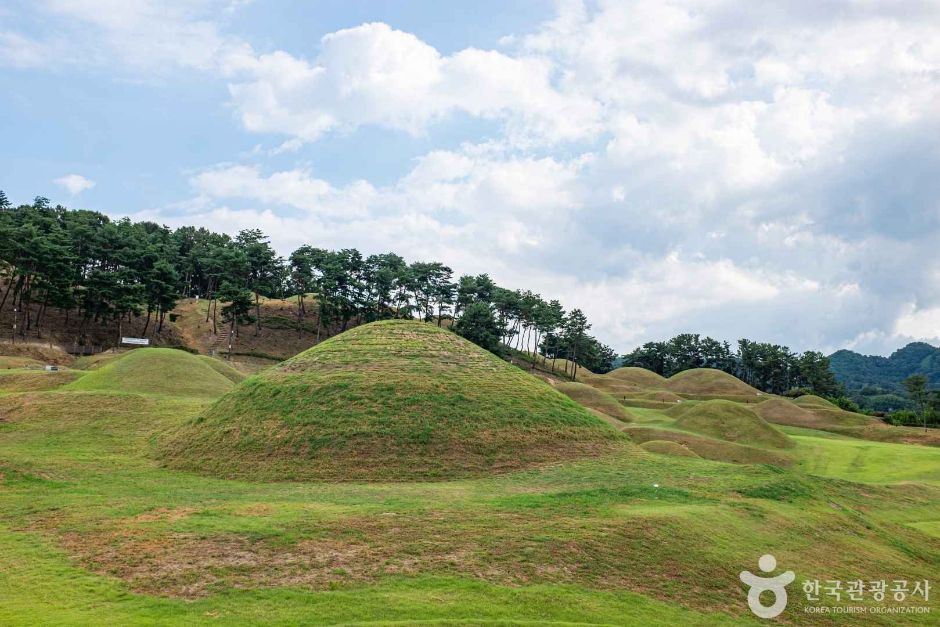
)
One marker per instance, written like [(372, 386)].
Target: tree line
[(768, 367), (105, 271), (925, 404)]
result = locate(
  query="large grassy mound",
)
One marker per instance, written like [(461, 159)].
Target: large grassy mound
[(156, 371), (732, 422), (390, 400), (594, 399), (708, 382)]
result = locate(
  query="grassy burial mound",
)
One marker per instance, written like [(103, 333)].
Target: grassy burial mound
[(629, 382), (730, 421), (783, 412), (392, 400), (640, 377), (595, 399), (818, 413), (708, 382), (711, 448), (668, 447), (815, 415), (165, 371)]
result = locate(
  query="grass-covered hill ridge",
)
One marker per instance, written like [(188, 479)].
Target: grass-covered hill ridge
[(392, 400), (165, 371)]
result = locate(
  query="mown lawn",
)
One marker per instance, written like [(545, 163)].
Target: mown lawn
[(866, 461)]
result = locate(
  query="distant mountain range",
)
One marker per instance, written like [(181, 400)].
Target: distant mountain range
[(875, 382)]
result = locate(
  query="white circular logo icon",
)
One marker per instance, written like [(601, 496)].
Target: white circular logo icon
[(776, 585)]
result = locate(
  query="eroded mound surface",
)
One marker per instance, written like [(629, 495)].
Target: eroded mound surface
[(392, 400)]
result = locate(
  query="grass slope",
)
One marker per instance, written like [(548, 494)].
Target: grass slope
[(389, 400), (156, 371), (594, 399), (730, 421)]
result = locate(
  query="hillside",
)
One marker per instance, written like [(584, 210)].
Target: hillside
[(390, 400), (280, 336), (876, 382)]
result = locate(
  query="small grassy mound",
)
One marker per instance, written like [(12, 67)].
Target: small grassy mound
[(708, 382), (640, 377), (391, 400), (732, 422), (164, 371), (224, 369), (668, 447), (594, 399)]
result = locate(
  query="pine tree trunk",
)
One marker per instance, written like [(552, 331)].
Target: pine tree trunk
[(7, 291)]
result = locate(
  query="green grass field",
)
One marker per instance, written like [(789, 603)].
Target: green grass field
[(93, 529), (868, 462)]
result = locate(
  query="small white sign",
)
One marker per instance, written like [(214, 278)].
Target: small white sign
[(141, 341)]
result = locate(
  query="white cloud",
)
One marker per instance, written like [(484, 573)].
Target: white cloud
[(295, 188), (922, 324), (74, 183), (375, 75), (147, 37)]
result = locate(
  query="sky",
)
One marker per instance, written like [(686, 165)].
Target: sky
[(730, 168)]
